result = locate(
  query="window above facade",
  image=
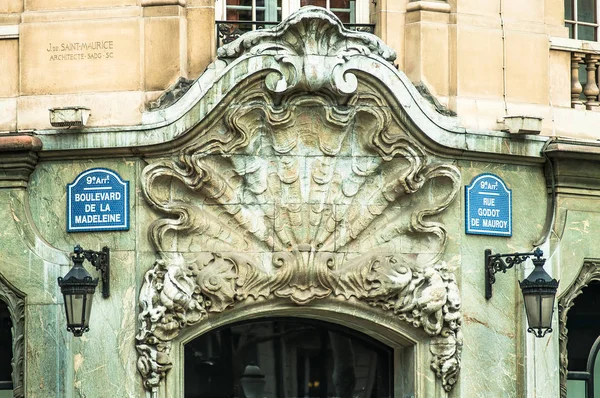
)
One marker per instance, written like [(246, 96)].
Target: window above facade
[(348, 11), (581, 17)]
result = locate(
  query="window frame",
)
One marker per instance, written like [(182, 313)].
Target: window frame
[(361, 10), (575, 22)]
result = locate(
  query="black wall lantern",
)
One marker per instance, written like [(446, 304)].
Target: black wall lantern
[(539, 288), (78, 287)]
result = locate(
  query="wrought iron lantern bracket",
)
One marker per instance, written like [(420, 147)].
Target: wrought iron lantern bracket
[(101, 261), (495, 263)]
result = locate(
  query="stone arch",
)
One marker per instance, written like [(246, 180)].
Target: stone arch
[(408, 343), (15, 301), (305, 189), (590, 272)]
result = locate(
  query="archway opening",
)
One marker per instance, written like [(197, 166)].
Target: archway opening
[(287, 357), (583, 345), (6, 352)]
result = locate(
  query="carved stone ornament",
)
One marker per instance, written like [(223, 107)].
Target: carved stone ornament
[(311, 50), (590, 272), (299, 194), (15, 301)]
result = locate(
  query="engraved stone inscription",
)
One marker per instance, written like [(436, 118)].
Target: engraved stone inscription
[(80, 56), (76, 51)]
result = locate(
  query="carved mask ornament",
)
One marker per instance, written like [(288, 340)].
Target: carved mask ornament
[(308, 191)]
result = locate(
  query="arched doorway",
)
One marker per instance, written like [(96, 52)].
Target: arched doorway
[(287, 357), (6, 354)]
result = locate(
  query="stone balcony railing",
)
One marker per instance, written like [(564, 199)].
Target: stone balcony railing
[(228, 31), (584, 65), (586, 84)]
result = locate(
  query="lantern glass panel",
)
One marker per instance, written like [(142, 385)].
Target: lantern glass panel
[(539, 308), (75, 305), (78, 307)]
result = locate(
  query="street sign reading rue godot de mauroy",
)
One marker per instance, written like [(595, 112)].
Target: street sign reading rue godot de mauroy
[(488, 206), (98, 200)]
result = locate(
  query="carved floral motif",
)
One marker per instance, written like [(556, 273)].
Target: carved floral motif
[(309, 191)]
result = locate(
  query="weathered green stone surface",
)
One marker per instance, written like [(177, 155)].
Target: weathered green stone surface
[(254, 147)]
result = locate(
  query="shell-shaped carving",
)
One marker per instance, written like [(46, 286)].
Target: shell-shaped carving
[(323, 180), (314, 31), (305, 200), (311, 190), (311, 50)]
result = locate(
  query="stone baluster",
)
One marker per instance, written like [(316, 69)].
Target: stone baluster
[(591, 90), (576, 88)]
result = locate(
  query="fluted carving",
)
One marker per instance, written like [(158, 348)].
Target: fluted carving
[(310, 190)]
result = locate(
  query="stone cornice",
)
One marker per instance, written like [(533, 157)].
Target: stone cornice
[(575, 166), (315, 67), (434, 6), (18, 158)]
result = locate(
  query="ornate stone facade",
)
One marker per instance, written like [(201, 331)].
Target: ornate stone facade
[(590, 272), (312, 190), (15, 301)]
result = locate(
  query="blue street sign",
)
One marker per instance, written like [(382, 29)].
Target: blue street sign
[(488, 206), (98, 200)]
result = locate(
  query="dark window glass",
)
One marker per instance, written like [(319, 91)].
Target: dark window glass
[(298, 358), (343, 16), (583, 324), (586, 32), (341, 3), (5, 348), (239, 15), (246, 3), (586, 10), (319, 3)]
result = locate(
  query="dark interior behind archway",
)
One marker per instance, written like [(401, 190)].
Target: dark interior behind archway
[(298, 358), (5, 350)]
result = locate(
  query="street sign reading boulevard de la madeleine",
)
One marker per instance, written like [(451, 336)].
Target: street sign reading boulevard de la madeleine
[(488, 206), (98, 200)]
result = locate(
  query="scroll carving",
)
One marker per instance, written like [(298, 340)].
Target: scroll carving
[(15, 301), (589, 273), (311, 49), (311, 190)]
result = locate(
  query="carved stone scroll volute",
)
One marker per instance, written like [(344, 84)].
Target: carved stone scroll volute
[(308, 192)]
